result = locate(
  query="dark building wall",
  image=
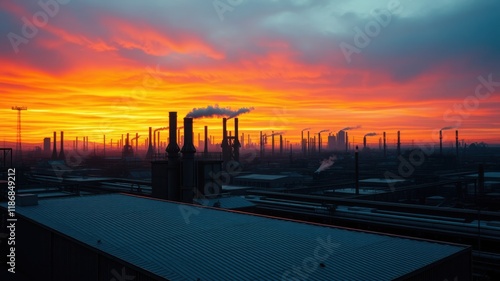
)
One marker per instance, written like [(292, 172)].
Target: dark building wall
[(45, 255), (33, 250), (455, 267)]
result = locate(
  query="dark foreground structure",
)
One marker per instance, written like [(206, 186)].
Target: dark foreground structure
[(124, 237)]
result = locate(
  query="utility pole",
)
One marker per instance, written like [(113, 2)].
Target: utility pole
[(18, 138)]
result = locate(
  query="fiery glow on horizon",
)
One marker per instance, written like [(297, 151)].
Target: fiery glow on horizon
[(99, 69)]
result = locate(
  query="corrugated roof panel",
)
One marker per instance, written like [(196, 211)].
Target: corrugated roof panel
[(221, 245)]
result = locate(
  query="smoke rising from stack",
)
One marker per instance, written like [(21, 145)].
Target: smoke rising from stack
[(370, 134), (351, 128), (448, 128), (305, 129), (216, 111), (275, 134), (322, 131), (326, 163)]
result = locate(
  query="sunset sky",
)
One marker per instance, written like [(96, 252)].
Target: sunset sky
[(91, 67)]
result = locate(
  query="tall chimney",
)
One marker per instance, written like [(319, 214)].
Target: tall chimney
[(399, 143), (319, 142), (54, 150), (173, 159), (385, 146), (456, 142), (281, 144), (346, 142), (159, 142), (61, 153), (225, 144), (104, 144), (205, 151), (364, 142), (149, 153), (188, 151), (441, 142), (272, 143), (236, 144), (76, 144)]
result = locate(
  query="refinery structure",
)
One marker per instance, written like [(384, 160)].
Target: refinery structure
[(434, 209)]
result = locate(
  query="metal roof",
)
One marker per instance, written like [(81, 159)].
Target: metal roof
[(213, 244)]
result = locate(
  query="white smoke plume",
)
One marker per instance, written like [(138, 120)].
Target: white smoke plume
[(448, 128), (351, 128), (216, 111), (326, 163)]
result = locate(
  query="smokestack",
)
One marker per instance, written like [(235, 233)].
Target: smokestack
[(364, 142), (188, 151), (456, 142), (104, 144), (272, 143), (302, 143), (54, 150), (281, 144), (173, 159), (136, 143), (159, 142), (236, 144), (399, 143), (346, 142), (61, 153), (205, 151), (319, 142), (149, 153), (385, 146), (76, 144), (225, 145), (441, 142)]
